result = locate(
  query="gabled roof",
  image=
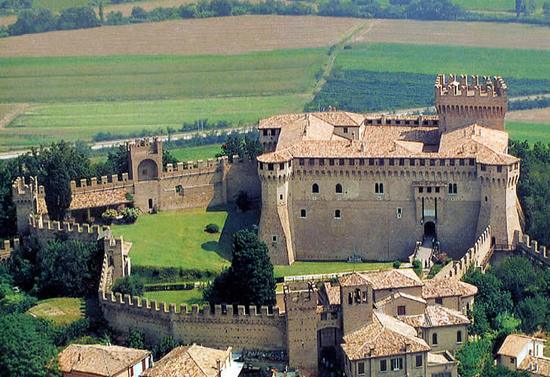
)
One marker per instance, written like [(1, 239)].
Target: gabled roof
[(352, 280), (189, 361), (377, 339), (392, 279), (514, 344), (437, 288), (98, 359), (436, 316), (396, 295)]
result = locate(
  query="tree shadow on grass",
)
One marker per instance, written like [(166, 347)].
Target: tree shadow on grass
[(210, 246)]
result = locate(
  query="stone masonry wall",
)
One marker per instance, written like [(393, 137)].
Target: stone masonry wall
[(532, 250)]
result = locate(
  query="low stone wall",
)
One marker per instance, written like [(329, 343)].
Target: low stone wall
[(532, 250), (477, 256), (46, 230)]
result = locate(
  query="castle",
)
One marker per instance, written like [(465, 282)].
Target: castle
[(374, 186), (333, 185)]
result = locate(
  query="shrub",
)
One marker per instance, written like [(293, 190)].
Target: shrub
[(396, 264), (130, 215), (212, 228), (109, 216), (129, 197), (129, 285), (417, 267)]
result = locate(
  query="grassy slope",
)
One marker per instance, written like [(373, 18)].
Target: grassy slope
[(72, 79), (61, 311), (189, 297), (532, 132), (527, 64)]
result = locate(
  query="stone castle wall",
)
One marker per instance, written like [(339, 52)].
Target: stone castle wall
[(46, 230), (532, 250), (7, 247)]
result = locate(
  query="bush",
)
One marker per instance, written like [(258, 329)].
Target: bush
[(129, 285), (212, 228), (109, 216), (396, 264), (417, 267), (130, 215)]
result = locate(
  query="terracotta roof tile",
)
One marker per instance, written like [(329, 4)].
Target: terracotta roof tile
[(436, 288), (333, 293), (536, 365), (436, 316), (513, 344), (99, 198), (352, 280), (391, 279), (98, 359)]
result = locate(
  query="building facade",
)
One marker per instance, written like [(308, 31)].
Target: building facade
[(372, 187)]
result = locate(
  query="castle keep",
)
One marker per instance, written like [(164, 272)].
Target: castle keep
[(373, 186)]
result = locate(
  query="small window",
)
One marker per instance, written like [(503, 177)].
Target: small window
[(483, 167), (360, 367), (269, 166), (345, 130), (453, 188), (274, 239), (418, 361), (499, 169), (311, 161), (303, 213), (397, 363), (401, 310), (281, 166), (301, 162), (432, 162), (338, 188), (381, 161), (337, 214), (341, 162), (264, 131), (399, 212), (321, 162), (429, 189), (331, 161), (462, 162), (459, 336), (437, 189), (513, 360), (452, 162), (434, 338), (362, 162), (439, 300), (281, 197), (179, 190), (315, 188), (371, 161), (421, 190), (422, 162), (401, 161), (392, 162), (383, 365)]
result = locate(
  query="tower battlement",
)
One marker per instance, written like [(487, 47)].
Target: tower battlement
[(149, 145), (460, 102), (7, 247)]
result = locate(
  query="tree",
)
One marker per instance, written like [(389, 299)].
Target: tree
[(433, 10), (473, 357), (491, 295), (242, 146), (546, 9), (168, 158), (129, 285), (139, 14), (249, 280), (68, 268), (77, 18), (519, 5), (221, 7), (26, 346), (517, 276), (135, 339), (533, 312), (37, 20), (8, 172)]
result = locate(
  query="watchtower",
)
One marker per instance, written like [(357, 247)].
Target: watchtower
[(25, 197), (356, 299), (460, 103), (301, 318), (145, 159)]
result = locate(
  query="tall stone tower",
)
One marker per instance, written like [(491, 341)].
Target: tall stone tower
[(275, 223), (301, 319), (145, 159), (460, 103), (25, 196), (356, 299)]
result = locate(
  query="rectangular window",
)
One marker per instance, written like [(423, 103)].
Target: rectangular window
[(422, 162), (281, 165), (412, 162), (321, 162), (483, 167), (360, 367), (269, 166), (499, 169), (434, 339), (331, 161), (471, 161), (303, 213), (301, 162), (432, 162), (421, 190), (261, 166), (264, 132), (381, 161), (383, 365), (345, 130), (351, 161), (442, 162), (437, 189), (274, 238), (397, 363), (401, 310), (362, 161), (418, 361), (452, 162), (311, 161), (429, 189), (341, 162), (462, 162), (401, 161), (392, 162), (439, 300), (371, 161), (459, 336)]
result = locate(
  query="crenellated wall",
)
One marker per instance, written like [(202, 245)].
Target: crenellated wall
[(477, 256), (100, 184), (46, 230), (532, 250), (7, 247)]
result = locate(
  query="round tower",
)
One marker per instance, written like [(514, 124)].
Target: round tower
[(460, 103)]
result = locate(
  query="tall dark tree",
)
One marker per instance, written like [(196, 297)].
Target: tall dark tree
[(249, 280), (168, 158), (33, 21), (77, 18)]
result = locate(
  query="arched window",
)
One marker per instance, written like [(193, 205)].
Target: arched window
[(337, 214), (376, 188), (434, 338), (459, 336), (315, 188), (338, 188), (350, 298)]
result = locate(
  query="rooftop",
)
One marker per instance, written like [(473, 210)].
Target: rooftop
[(189, 361), (100, 198), (397, 295), (392, 279), (381, 338), (99, 360), (436, 316), (536, 365), (312, 135), (436, 288), (514, 344)]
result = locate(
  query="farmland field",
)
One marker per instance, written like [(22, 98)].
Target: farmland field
[(531, 116), (452, 33), (224, 35), (202, 152), (496, 5), (532, 132)]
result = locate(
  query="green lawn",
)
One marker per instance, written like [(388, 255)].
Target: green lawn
[(61, 311), (493, 5), (201, 152), (189, 297), (82, 120), (313, 268), (108, 78), (519, 64), (532, 132)]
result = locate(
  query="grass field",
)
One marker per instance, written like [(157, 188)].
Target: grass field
[(532, 132), (158, 77), (61, 311), (518, 64), (495, 5), (202, 152), (313, 268), (189, 297)]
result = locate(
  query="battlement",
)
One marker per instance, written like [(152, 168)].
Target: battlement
[(476, 256), (101, 183), (402, 120), (48, 229), (22, 190), (532, 250), (7, 247), (147, 144), (461, 86)]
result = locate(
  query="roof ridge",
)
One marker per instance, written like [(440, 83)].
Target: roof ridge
[(195, 361)]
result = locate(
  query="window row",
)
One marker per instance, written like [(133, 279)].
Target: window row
[(390, 161), (428, 189), (458, 337), (378, 188), (337, 213)]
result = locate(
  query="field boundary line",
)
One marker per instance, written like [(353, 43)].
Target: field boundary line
[(10, 117)]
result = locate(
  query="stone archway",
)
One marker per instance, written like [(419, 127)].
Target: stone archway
[(147, 170), (429, 230)]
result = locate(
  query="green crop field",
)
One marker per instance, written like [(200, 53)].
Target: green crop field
[(61, 310), (69, 79), (201, 152), (532, 132), (519, 64), (57, 5), (189, 297), (492, 5)]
